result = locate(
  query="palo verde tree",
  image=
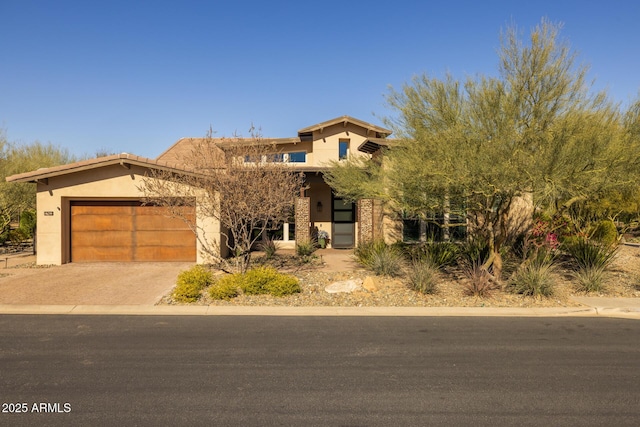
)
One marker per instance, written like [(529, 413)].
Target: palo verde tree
[(536, 129), (18, 158), (243, 184)]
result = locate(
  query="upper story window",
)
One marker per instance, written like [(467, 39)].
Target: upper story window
[(298, 157), (343, 149), (295, 157), (278, 157)]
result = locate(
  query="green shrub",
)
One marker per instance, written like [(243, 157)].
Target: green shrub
[(28, 223), (423, 277), (261, 280), (590, 254), (17, 236), (363, 252), (382, 259), (223, 290), (190, 284), (284, 285), (534, 279), (439, 254), (605, 232), (305, 248), (474, 251), (591, 259)]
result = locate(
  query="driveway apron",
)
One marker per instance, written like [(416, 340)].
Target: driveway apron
[(90, 284)]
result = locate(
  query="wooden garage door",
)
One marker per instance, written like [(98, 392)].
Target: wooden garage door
[(127, 231)]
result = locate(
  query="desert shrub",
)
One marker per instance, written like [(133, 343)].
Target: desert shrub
[(363, 252), (269, 247), (423, 276), (479, 282), (604, 232), (590, 279), (28, 223), (438, 254), (591, 260), (223, 290), (474, 251), (18, 236), (534, 278), (190, 284), (284, 285), (305, 248), (260, 281), (590, 254), (382, 259)]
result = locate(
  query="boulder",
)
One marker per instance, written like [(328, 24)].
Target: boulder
[(347, 286), (369, 284)]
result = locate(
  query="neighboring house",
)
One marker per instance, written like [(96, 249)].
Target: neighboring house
[(92, 210)]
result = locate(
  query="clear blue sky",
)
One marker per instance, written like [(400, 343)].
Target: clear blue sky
[(135, 76)]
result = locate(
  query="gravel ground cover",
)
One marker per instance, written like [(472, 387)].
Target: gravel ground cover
[(623, 281)]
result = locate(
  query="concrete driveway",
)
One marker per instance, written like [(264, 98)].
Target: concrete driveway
[(89, 284)]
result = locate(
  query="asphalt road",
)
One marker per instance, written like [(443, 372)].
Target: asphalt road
[(336, 371)]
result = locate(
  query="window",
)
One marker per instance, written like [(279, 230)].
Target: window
[(411, 230), (278, 158), (298, 157), (448, 223), (343, 149)]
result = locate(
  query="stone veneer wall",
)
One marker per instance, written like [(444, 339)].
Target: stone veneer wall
[(303, 219), (365, 221)]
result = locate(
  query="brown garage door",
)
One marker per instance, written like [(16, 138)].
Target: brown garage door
[(128, 231)]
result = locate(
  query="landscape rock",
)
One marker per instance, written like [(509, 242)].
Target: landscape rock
[(369, 284), (347, 286)]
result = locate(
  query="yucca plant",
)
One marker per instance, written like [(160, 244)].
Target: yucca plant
[(590, 254), (438, 254), (591, 260)]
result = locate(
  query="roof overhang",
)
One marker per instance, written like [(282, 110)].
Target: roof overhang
[(371, 145), (345, 120), (125, 160), (242, 142)]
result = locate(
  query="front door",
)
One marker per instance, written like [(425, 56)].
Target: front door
[(343, 219)]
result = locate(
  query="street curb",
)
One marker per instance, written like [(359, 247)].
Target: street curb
[(203, 310)]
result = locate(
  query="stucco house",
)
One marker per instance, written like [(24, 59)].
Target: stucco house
[(92, 210)]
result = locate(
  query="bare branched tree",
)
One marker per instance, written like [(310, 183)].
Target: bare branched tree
[(243, 184)]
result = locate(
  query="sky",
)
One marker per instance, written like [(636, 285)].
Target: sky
[(135, 76)]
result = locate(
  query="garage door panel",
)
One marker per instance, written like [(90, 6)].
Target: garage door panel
[(102, 222), (181, 238), (97, 253), (159, 223), (105, 231), (102, 238), (154, 253), (102, 210)]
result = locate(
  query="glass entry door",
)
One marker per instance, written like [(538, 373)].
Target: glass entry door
[(343, 220)]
